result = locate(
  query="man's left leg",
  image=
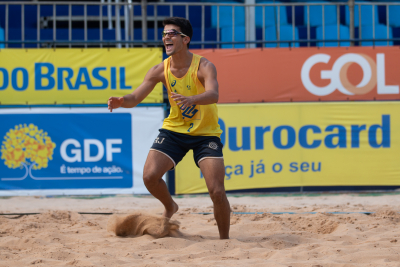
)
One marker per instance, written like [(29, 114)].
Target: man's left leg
[(213, 170)]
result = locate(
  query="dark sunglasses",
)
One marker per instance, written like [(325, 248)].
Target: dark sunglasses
[(172, 33)]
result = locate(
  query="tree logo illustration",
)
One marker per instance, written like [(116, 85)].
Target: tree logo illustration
[(27, 146)]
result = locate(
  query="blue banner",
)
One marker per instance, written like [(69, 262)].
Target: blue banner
[(66, 151)]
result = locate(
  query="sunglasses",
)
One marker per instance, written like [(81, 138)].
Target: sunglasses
[(172, 33)]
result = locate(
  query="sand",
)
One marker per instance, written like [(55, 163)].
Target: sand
[(60, 236)]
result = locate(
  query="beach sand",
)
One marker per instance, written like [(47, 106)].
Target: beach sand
[(314, 236)]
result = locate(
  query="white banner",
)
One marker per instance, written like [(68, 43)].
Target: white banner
[(75, 151)]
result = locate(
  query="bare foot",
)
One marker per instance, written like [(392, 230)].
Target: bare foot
[(169, 213)]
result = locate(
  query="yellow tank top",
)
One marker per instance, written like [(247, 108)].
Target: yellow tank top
[(197, 120)]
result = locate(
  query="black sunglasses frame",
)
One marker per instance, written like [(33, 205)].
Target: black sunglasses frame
[(172, 33)]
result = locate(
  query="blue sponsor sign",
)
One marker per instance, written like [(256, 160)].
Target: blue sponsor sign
[(66, 151)]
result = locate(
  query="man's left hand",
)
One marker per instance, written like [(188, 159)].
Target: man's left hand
[(185, 101)]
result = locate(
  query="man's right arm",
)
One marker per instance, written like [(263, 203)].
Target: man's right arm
[(153, 76)]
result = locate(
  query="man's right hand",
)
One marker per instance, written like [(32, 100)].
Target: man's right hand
[(115, 102)]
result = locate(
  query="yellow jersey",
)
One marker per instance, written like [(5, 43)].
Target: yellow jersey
[(197, 120)]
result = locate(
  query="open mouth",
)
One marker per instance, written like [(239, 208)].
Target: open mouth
[(168, 47)]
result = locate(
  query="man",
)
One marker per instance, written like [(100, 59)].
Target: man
[(192, 86)]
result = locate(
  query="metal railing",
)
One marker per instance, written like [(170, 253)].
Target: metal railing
[(122, 18)]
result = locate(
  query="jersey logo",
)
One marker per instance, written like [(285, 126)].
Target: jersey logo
[(189, 112), (173, 83), (188, 87)]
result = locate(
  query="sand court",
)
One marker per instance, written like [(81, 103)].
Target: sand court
[(321, 232)]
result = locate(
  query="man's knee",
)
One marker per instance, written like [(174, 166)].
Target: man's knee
[(217, 194), (151, 179)]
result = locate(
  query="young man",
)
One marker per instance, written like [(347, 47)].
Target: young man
[(191, 81)]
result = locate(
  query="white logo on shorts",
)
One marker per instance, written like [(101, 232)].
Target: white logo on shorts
[(158, 141), (213, 145)]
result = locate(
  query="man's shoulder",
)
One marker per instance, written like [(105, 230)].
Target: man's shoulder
[(156, 73), (206, 66), (205, 63), (204, 60), (158, 69)]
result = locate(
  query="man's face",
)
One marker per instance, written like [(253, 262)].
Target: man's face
[(173, 39)]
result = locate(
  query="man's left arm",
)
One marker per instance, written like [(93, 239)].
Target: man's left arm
[(208, 72)]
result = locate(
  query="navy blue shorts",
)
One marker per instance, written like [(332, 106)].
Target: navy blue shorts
[(176, 145)]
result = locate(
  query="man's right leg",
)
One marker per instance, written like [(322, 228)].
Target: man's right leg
[(156, 165)]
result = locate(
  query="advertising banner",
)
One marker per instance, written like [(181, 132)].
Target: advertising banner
[(74, 76), (304, 144), (75, 151), (306, 74)]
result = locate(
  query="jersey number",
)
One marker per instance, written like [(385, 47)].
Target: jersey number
[(191, 126)]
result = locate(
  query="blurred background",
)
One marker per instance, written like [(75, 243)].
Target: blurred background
[(217, 24)]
